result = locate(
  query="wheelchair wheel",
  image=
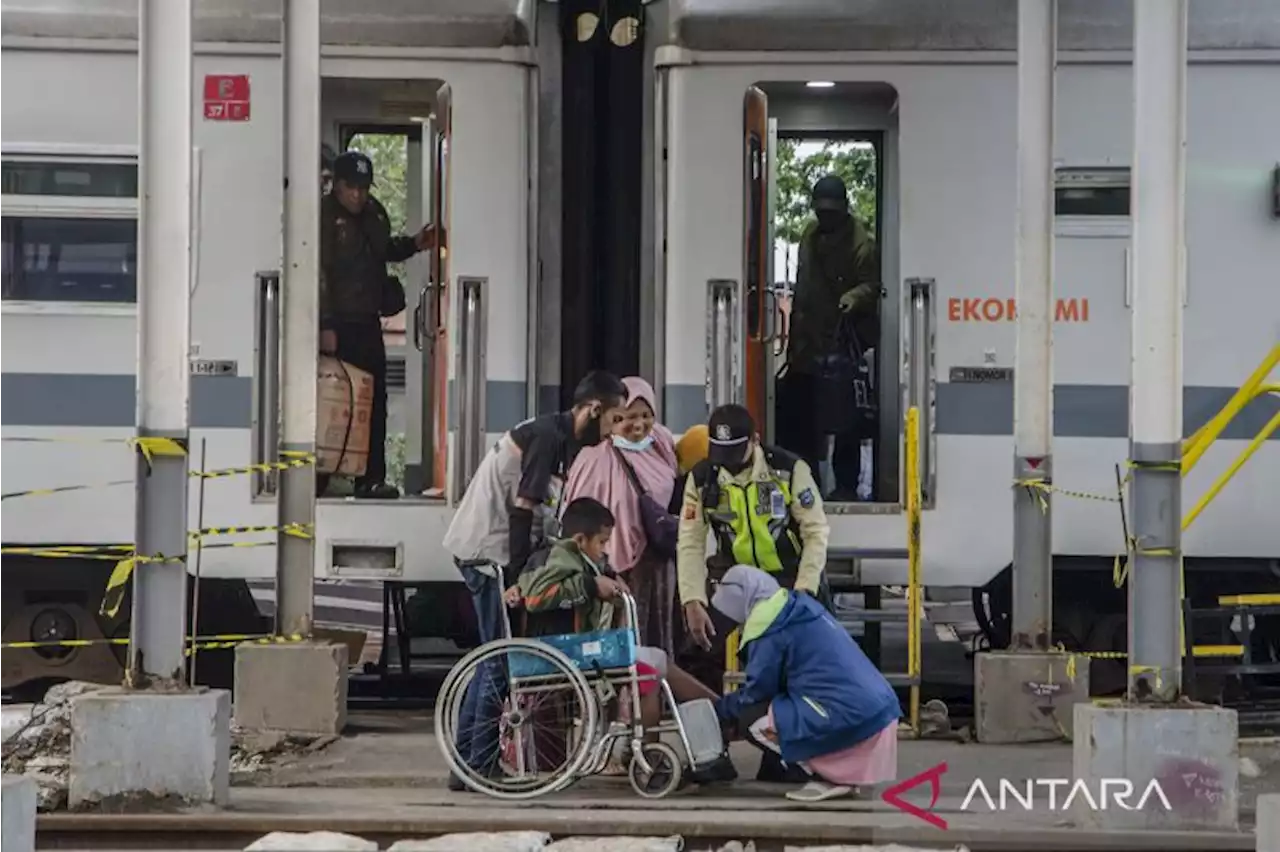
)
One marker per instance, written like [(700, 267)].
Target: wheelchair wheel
[(541, 719), (664, 774)]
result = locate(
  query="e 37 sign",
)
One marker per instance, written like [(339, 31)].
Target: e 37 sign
[(226, 97)]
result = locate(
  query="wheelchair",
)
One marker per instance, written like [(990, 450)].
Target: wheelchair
[(555, 697)]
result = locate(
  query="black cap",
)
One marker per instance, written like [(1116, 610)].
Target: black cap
[(830, 193), (354, 168), (729, 431)]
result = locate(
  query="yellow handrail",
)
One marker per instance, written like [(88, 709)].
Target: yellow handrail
[(1221, 482), (914, 601), (1193, 448)]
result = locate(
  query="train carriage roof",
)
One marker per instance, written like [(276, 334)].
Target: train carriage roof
[(838, 25), (373, 23)]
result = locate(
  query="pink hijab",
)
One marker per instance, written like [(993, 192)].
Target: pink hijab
[(597, 472)]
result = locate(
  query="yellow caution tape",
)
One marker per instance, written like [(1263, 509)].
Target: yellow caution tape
[(221, 640), (1040, 488), (152, 446), (295, 460), (112, 551), (113, 596), (1199, 650)]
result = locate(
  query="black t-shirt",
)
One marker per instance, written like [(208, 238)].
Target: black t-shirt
[(547, 450)]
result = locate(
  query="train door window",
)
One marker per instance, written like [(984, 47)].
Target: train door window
[(70, 231)]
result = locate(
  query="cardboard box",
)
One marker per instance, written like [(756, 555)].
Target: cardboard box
[(344, 406)]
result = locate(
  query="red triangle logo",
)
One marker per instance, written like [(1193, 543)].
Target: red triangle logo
[(934, 776), (1034, 464)]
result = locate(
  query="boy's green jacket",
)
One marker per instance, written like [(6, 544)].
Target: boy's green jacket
[(567, 582)]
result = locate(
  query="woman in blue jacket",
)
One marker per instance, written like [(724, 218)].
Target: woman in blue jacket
[(810, 695)]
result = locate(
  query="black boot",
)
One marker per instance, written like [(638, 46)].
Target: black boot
[(719, 771), (774, 770)]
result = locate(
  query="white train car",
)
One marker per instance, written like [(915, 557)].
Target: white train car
[(456, 78), (933, 87)]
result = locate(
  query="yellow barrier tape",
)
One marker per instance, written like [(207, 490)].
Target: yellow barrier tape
[(297, 459), (1199, 650), (112, 551), (200, 643), (113, 596), (152, 447)]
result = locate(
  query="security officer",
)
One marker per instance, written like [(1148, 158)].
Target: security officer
[(837, 288), (764, 509), (355, 291)]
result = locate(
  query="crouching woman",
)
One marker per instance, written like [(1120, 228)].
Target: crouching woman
[(810, 695)]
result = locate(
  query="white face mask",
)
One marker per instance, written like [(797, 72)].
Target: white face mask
[(633, 446)]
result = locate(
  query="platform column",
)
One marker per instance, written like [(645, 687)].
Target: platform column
[(156, 738), (300, 333), (297, 687), (1033, 375), (1190, 750), (158, 622), (1026, 694), (1159, 276)]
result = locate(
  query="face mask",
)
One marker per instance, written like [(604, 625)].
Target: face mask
[(591, 431), (738, 467), (829, 220), (633, 446)]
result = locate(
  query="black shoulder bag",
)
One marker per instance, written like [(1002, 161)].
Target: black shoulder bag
[(661, 528)]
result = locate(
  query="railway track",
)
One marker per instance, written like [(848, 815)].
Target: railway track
[(94, 833)]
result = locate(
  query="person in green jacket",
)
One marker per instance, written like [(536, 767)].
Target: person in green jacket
[(575, 581)]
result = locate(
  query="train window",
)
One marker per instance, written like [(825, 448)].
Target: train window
[(71, 179), (70, 259), (1091, 192)]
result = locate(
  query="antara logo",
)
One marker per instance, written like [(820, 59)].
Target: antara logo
[(1059, 794)]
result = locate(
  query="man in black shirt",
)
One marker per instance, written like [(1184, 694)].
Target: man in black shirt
[(509, 509)]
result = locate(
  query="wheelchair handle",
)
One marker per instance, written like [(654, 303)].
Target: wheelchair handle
[(633, 616)]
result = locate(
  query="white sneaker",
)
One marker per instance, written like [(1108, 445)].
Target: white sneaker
[(818, 791)]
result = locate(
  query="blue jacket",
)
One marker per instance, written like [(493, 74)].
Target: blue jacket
[(826, 695)]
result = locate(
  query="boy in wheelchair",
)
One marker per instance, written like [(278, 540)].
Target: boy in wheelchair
[(574, 591)]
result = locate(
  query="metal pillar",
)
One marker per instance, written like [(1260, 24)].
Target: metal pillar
[(158, 622), (1033, 377), (300, 326), (1159, 274)]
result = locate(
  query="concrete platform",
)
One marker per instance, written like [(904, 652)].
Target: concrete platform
[(1269, 823), (1192, 753), (1028, 696), (18, 821), (148, 747), (299, 688)]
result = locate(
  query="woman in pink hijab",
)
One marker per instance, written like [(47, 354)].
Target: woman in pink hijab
[(599, 472)]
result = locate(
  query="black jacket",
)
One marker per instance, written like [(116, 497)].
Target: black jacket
[(354, 253)]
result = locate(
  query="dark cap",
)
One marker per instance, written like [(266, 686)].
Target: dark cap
[(354, 168), (729, 431), (830, 193)]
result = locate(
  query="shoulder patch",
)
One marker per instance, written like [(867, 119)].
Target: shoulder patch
[(806, 498)]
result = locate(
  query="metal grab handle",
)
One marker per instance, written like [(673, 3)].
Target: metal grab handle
[(724, 343), (472, 321), (266, 378), (420, 319), (920, 376)]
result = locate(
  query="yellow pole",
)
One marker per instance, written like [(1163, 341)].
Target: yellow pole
[(1195, 446), (1222, 480), (912, 464)]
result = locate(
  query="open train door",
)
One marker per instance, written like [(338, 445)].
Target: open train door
[(762, 322), (427, 444)]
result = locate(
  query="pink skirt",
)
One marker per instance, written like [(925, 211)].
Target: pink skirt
[(872, 761)]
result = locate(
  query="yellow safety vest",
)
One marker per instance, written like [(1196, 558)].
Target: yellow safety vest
[(753, 521)]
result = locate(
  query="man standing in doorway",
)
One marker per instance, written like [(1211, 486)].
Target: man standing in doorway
[(509, 510), (356, 290), (835, 312)]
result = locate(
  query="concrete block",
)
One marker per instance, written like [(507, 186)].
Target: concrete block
[(18, 821), (480, 841), (618, 844), (300, 688), (1269, 822), (150, 745), (319, 841), (1027, 696), (1190, 753)]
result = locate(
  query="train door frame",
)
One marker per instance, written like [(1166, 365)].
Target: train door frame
[(886, 485)]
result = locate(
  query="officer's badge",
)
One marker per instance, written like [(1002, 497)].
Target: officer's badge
[(806, 498), (723, 432)]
